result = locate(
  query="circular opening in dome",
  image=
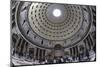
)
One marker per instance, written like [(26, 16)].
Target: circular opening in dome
[(57, 12)]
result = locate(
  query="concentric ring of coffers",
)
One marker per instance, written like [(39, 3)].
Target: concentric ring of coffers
[(38, 29), (41, 18)]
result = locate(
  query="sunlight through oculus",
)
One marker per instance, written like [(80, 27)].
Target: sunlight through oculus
[(57, 12)]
